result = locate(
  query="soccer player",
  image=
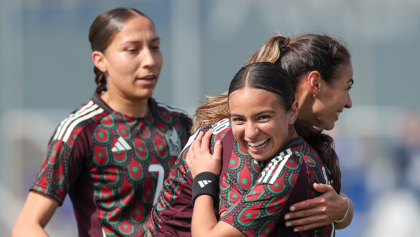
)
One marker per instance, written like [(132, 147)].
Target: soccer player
[(112, 154), (263, 112), (313, 62)]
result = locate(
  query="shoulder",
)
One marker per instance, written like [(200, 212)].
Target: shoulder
[(86, 116), (220, 130), (315, 167), (287, 161), (309, 155), (170, 109)]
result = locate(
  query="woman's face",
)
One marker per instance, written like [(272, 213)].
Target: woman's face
[(325, 108), (133, 60), (259, 122)]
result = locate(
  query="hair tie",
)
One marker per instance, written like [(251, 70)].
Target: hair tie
[(286, 42)]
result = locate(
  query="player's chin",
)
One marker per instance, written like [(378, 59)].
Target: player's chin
[(144, 93), (329, 126)]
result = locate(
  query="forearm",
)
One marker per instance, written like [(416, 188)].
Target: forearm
[(347, 221), (204, 219)]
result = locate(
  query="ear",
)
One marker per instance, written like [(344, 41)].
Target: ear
[(293, 112), (98, 59), (314, 82)]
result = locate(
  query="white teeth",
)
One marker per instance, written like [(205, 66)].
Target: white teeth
[(338, 113), (149, 77), (257, 143)]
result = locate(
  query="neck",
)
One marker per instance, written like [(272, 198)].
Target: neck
[(119, 103), (306, 103), (293, 134)]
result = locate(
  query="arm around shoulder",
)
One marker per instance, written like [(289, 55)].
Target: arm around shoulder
[(36, 213)]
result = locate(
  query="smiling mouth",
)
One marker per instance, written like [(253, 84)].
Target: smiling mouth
[(259, 145)]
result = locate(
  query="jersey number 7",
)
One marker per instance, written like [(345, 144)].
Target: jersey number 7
[(161, 173)]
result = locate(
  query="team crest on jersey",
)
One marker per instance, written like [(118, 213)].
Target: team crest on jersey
[(174, 143)]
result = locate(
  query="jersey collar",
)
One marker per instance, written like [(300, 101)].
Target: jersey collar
[(98, 100)]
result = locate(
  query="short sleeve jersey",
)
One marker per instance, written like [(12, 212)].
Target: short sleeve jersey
[(172, 214), (287, 179), (112, 165)]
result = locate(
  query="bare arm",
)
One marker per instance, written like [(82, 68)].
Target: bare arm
[(321, 211), (204, 222), (199, 159), (35, 215)]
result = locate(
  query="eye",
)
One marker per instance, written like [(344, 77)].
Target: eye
[(349, 88), (238, 120), (264, 117), (133, 50), (155, 47)]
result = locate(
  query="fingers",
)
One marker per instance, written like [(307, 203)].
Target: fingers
[(206, 141), (314, 225), (311, 203), (323, 188), (320, 210), (217, 154), (318, 219), (197, 142)]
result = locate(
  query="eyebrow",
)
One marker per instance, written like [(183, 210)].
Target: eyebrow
[(155, 39), (259, 113), (139, 42)]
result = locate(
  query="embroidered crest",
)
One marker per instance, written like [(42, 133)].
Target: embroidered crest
[(174, 143)]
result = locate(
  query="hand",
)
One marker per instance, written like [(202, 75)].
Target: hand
[(199, 159), (319, 211)]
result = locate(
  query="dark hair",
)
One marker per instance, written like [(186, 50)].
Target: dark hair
[(103, 30), (303, 54), (271, 77), (266, 76)]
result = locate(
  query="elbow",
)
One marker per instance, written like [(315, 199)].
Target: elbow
[(20, 229)]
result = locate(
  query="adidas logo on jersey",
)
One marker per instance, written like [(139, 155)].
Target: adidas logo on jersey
[(203, 183), (121, 145)]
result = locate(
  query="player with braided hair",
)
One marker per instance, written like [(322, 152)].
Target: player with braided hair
[(112, 154)]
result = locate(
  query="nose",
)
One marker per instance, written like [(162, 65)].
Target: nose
[(251, 131), (148, 59), (349, 104)]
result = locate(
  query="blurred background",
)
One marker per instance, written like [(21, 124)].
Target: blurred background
[(46, 72)]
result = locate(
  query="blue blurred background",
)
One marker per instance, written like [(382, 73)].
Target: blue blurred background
[(46, 72)]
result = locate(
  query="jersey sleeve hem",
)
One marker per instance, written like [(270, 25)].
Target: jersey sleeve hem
[(44, 190), (230, 222)]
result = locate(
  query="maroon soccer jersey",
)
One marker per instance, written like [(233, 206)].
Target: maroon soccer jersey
[(172, 214), (286, 180), (112, 165)]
